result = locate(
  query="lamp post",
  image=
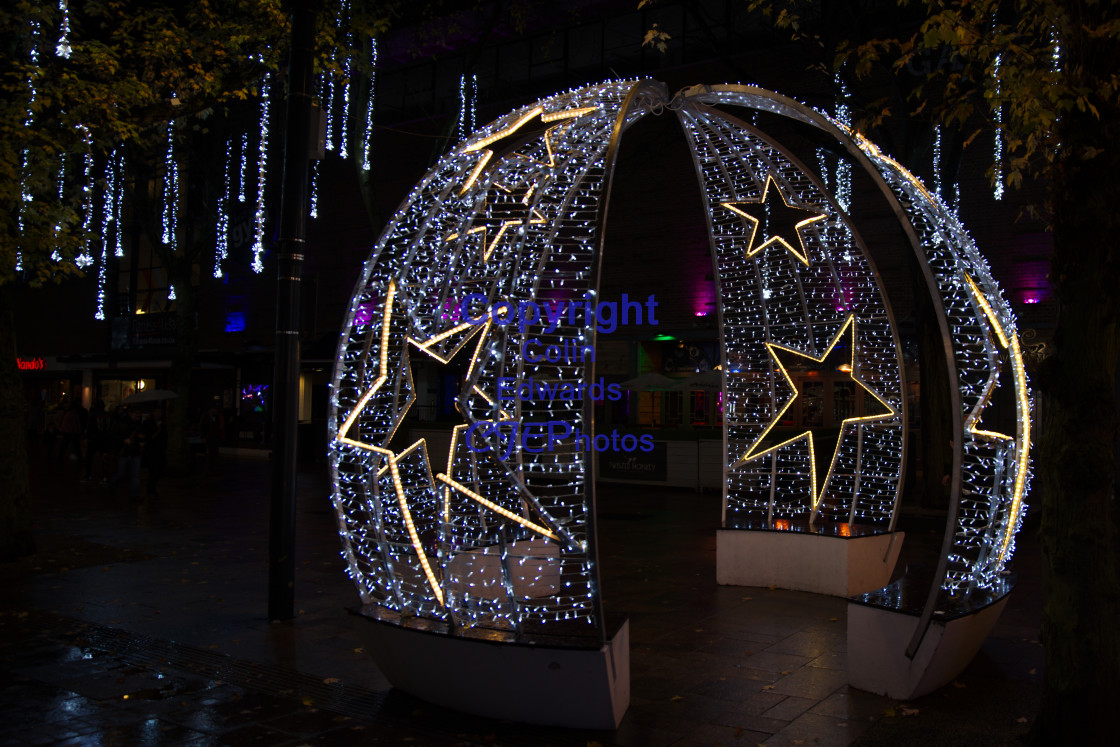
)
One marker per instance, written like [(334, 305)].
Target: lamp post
[(285, 382)]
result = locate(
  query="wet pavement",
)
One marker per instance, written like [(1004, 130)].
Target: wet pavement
[(146, 625)]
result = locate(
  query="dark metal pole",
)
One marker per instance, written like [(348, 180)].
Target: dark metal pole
[(285, 380)]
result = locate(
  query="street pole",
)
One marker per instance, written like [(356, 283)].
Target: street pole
[(285, 380)]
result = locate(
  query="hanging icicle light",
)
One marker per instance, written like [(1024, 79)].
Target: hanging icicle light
[(327, 96), (997, 181), (108, 218), (244, 168), (468, 104), (315, 188), (118, 190), (262, 171), (25, 194), (221, 247), (85, 259), (170, 191), (62, 49), (368, 130), (62, 177), (937, 161), (843, 168), (348, 74)]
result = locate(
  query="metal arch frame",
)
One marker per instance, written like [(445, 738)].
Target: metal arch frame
[(409, 234), (784, 105), (769, 101), (659, 93), (860, 244)]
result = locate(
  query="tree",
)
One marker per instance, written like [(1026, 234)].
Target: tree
[(109, 76), (1042, 75)]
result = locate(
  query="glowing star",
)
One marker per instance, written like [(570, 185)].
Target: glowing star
[(458, 430), (778, 352), (501, 218), (483, 146), (549, 135), (1023, 437), (785, 221), (392, 459)]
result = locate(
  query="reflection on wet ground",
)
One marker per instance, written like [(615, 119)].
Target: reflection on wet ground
[(146, 626)]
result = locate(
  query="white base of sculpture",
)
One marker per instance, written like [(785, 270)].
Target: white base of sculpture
[(877, 641), (840, 566), (582, 688)]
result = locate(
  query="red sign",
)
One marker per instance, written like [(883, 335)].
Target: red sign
[(30, 364)]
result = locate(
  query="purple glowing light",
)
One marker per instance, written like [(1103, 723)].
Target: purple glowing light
[(363, 314)]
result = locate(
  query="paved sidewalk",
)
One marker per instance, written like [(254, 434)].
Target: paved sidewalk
[(146, 625)]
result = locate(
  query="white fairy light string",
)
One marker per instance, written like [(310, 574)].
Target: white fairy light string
[(937, 162), (29, 120), (109, 227), (63, 49), (468, 104), (843, 167), (243, 169), (367, 130), (118, 204), (85, 259), (997, 139), (221, 247), (262, 175), (347, 82), (171, 191), (314, 178)]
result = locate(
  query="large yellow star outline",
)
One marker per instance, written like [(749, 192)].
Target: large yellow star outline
[(489, 244), (1023, 443), (392, 458), (776, 351), (753, 210), (482, 146)]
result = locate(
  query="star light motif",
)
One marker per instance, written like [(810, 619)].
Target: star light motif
[(392, 459), (778, 352), (483, 146), (785, 221), (502, 218)]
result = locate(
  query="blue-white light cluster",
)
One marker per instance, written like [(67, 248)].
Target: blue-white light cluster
[(262, 175), (997, 141), (62, 49), (221, 249), (367, 130), (171, 191), (468, 104)]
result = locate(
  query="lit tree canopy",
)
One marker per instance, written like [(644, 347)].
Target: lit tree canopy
[(79, 82)]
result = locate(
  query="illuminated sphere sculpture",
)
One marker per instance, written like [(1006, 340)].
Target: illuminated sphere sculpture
[(493, 534)]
